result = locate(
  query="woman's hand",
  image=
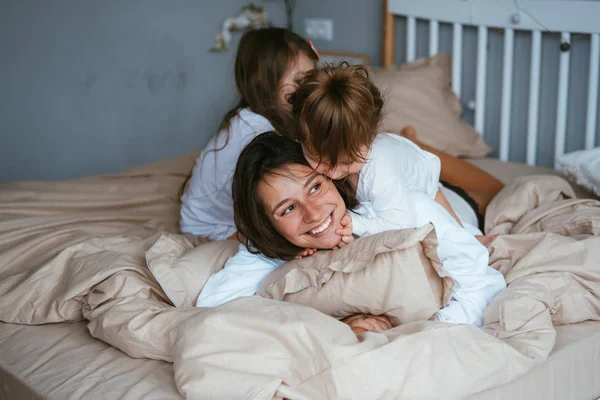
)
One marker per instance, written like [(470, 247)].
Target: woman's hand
[(360, 323), (204, 239), (345, 231), (306, 253)]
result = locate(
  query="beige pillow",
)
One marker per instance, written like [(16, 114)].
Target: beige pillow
[(182, 269), (396, 273), (419, 94)]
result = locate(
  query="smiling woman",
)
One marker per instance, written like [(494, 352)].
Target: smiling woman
[(281, 205), (281, 208)]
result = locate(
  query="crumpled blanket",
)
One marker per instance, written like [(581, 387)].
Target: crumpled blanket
[(90, 264)]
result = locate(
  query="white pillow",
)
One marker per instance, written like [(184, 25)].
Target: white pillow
[(583, 167)]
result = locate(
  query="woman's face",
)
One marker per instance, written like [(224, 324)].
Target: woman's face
[(303, 206), (289, 82)]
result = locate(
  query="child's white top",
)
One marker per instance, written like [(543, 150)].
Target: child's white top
[(395, 167), (207, 205), (466, 261)]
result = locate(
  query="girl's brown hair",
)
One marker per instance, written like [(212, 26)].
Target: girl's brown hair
[(267, 154), (335, 113), (263, 57)]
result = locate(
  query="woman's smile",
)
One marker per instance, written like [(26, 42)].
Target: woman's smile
[(322, 228)]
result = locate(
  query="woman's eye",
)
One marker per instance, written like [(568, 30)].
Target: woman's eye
[(315, 188), (288, 210)]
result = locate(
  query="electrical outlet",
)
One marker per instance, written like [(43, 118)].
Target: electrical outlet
[(319, 28)]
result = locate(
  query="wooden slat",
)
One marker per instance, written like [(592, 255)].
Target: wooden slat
[(563, 93), (481, 78), (411, 39), (434, 33), (592, 106), (507, 68), (534, 96), (456, 58)]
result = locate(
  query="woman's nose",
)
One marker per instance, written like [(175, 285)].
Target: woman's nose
[(311, 212)]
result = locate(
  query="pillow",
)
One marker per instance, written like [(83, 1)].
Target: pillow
[(182, 269), (396, 273), (583, 167), (419, 94)]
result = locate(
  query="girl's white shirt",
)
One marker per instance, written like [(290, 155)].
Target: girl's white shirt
[(207, 205)]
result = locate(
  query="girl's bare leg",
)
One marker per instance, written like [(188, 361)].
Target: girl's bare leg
[(478, 184)]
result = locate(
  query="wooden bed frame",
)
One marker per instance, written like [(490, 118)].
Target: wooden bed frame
[(535, 16)]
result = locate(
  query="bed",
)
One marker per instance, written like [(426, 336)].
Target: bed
[(59, 359), (63, 361)]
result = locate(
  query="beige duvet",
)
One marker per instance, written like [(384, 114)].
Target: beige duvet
[(78, 250)]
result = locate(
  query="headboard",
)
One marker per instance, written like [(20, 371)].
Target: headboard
[(540, 19)]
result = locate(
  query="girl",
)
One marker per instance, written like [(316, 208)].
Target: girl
[(268, 64), (337, 111), (283, 205)]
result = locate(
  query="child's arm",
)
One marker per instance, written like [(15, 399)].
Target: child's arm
[(466, 261), (242, 275)]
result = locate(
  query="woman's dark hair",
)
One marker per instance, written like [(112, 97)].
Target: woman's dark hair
[(263, 57), (266, 154)]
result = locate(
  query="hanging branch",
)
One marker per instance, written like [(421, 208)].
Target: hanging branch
[(252, 17)]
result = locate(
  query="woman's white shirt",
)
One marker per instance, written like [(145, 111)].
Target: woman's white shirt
[(207, 205), (241, 276)]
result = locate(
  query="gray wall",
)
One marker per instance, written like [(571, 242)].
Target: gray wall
[(96, 86), (91, 87)]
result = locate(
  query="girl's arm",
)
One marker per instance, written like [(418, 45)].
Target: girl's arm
[(466, 261)]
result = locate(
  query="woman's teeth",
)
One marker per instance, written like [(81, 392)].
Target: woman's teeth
[(321, 228)]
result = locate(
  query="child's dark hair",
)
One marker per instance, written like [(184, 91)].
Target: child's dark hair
[(264, 155), (335, 113), (263, 57)]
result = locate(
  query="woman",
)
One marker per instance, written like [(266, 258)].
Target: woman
[(295, 210), (282, 206)]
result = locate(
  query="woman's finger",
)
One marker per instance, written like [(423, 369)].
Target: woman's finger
[(382, 322), (347, 239), (346, 219)]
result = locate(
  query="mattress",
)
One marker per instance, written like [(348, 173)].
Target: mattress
[(62, 361), (572, 371)]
